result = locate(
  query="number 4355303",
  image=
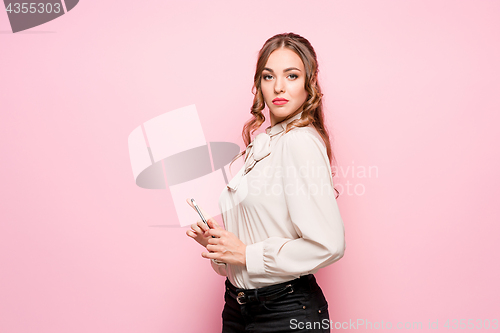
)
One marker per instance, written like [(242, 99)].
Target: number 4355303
[(33, 8), (471, 324)]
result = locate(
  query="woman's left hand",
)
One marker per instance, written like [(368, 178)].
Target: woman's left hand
[(226, 247)]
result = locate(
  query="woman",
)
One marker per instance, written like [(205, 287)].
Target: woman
[(280, 213)]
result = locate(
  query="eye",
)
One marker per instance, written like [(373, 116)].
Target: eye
[(293, 76), (266, 77)]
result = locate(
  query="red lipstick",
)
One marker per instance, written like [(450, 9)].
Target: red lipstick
[(279, 101)]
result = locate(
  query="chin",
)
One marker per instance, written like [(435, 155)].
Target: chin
[(280, 112)]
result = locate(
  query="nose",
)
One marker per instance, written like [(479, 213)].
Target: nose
[(279, 86)]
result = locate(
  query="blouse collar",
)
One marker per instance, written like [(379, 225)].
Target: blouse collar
[(281, 126)]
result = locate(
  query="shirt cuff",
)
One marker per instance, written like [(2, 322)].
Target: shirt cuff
[(255, 258), (218, 262)]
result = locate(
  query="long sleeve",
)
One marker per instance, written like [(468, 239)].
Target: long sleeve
[(219, 267), (307, 186)]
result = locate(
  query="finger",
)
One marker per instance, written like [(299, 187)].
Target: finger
[(215, 232), (188, 200), (213, 224), (205, 214), (197, 229), (214, 255), (202, 225), (192, 234), (216, 248), (213, 241)]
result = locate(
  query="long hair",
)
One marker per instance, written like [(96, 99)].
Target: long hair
[(312, 109)]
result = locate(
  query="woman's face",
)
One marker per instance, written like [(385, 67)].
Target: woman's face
[(282, 84)]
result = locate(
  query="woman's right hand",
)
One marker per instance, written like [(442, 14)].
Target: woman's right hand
[(198, 230)]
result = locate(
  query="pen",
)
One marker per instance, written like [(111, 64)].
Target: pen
[(199, 213)]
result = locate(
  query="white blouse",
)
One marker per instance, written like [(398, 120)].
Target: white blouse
[(282, 205)]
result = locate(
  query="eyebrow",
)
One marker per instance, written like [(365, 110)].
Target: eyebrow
[(286, 70)]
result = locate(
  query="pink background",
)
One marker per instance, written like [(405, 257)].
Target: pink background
[(411, 88)]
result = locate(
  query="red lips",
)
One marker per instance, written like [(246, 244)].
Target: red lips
[(279, 101)]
